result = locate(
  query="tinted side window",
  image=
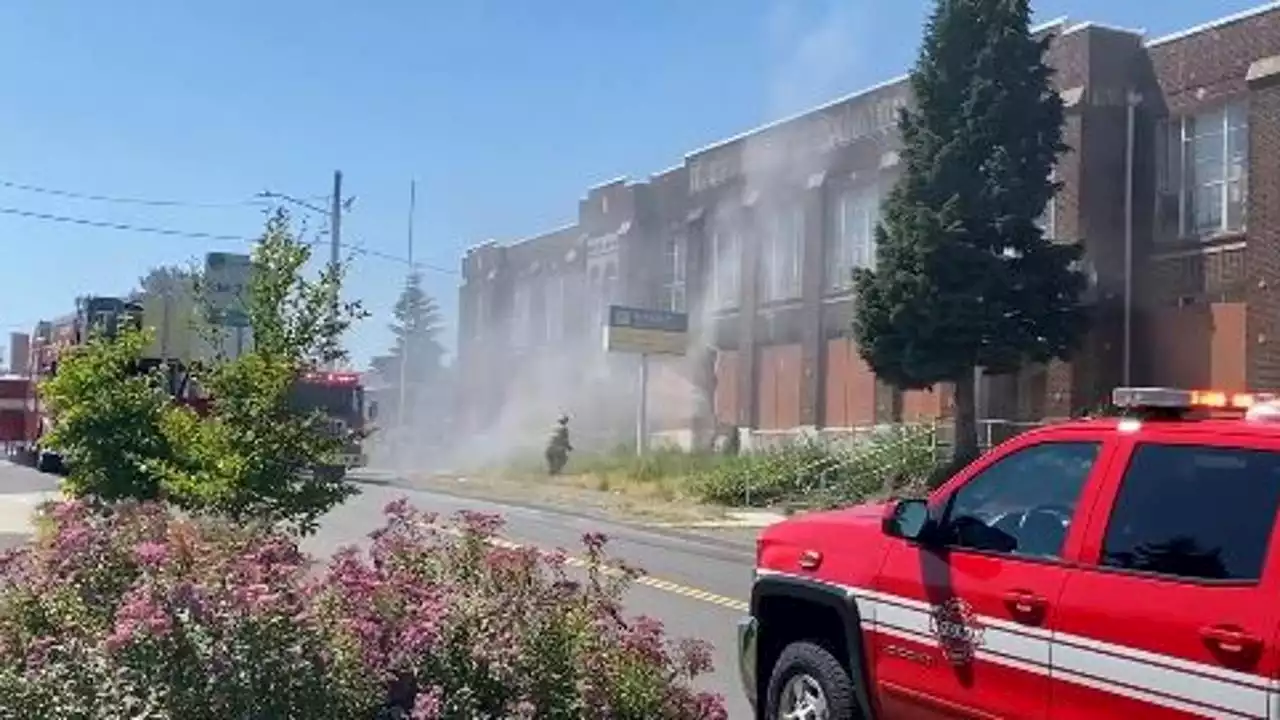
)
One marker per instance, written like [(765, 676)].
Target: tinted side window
[(1195, 512), (1024, 503)]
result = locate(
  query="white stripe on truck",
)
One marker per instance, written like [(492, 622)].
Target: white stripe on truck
[(1171, 682)]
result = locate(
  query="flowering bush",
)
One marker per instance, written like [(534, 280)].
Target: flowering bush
[(128, 611)]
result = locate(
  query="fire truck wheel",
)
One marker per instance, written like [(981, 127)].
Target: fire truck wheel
[(809, 682), (330, 473), (46, 463)]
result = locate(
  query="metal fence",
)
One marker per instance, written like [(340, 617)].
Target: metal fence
[(853, 465), (991, 432)]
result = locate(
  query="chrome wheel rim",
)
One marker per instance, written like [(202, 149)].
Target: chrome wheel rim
[(803, 699)]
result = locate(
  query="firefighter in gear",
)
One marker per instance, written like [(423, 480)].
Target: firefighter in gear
[(558, 447)]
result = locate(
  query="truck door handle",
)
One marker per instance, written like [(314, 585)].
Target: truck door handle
[(1230, 639), (1025, 603)]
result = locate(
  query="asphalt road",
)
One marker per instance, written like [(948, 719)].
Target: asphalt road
[(696, 587)]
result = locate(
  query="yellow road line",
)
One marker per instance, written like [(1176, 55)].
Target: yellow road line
[(645, 580)]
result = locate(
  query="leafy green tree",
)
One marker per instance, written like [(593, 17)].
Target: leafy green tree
[(269, 456), (253, 456), (964, 276), (168, 279), (109, 420)]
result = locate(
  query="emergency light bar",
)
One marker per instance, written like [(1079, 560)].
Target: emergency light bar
[(1172, 400), (332, 378)]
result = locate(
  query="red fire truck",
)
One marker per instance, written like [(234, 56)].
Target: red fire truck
[(17, 414), (338, 395), (1108, 568)]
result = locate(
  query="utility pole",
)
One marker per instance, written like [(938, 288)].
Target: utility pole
[(404, 340), (335, 242), (335, 221)]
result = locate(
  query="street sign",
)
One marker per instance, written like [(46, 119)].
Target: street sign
[(646, 332), (226, 278)]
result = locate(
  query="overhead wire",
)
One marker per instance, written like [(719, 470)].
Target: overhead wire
[(199, 235), (150, 202)]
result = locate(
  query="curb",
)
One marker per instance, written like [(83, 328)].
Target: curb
[(672, 530)]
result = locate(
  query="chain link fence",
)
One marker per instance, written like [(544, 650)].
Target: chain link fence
[(831, 468)]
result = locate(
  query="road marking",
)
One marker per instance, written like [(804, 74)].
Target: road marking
[(645, 580)]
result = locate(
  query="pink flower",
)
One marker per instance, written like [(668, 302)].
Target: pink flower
[(422, 618), (645, 639), (139, 615), (38, 651), (427, 705), (483, 525), (694, 656), (398, 509), (151, 554)]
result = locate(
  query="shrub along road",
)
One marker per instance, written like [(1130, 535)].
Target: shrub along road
[(696, 587)]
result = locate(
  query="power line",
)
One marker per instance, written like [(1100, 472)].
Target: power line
[(197, 235), (125, 200)]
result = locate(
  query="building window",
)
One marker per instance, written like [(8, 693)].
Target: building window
[(1203, 173), (522, 315), (726, 268), (609, 288), (1048, 220), (852, 241), (674, 272), (479, 319), (783, 254), (555, 289), (604, 292), (594, 302)]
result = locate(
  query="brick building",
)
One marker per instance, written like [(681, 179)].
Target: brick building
[(755, 237)]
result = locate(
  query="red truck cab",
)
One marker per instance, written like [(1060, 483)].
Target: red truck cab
[(1124, 567)]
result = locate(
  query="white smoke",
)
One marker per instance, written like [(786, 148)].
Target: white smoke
[(813, 56)]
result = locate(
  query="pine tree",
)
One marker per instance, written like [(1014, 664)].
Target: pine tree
[(416, 329), (965, 277)]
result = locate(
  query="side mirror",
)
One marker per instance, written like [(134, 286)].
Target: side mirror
[(907, 519), (373, 409)]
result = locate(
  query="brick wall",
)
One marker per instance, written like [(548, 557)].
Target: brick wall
[(792, 362), (1262, 329)]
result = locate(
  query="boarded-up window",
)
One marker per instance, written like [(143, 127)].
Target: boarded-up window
[(849, 387), (778, 389), (924, 405), (1198, 345), (1227, 355), (726, 400), (671, 393)]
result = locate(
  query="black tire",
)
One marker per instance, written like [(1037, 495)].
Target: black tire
[(47, 463), (331, 473), (808, 659)]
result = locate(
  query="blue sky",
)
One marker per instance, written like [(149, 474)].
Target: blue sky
[(504, 112)]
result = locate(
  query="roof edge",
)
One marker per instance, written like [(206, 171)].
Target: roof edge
[(1214, 24), (797, 116)]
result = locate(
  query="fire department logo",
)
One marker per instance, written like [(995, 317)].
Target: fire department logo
[(957, 629)]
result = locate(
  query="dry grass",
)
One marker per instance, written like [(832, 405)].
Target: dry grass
[(617, 484)]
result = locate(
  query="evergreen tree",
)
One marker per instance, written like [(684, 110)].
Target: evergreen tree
[(170, 279), (417, 328), (965, 277)]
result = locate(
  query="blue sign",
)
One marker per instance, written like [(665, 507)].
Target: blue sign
[(642, 319)]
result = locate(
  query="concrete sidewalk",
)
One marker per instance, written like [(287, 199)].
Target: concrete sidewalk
[(17, 510), (733, 520), (22, 490)]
